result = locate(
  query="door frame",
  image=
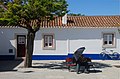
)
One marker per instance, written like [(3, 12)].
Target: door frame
[(16, 34)]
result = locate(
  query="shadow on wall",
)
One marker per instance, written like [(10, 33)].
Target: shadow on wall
[(9, 65), (7, 50)]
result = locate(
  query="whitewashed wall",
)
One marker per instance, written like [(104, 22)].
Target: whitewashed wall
[(8, 40), (67, 40)]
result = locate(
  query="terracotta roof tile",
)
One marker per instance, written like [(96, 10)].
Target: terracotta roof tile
[(93, 21), (83, 21)]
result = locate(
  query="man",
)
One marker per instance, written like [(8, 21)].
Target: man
[(81, 60)]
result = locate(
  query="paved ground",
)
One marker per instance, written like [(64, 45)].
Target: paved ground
[(57, 70)]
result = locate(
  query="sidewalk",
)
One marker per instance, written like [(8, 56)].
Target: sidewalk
[(57, 70)]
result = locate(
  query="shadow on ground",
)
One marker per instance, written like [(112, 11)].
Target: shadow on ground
[(9, 65), (101, 65), (51, 65), (62, 65)]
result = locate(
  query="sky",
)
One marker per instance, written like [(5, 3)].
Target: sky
[(94, 7)]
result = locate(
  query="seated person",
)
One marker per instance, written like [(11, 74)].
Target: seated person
[(82, 61)]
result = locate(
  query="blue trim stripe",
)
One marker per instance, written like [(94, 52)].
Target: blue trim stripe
[(49, 57), (7, 57), (57, 57), (92, 56), (63, 57)]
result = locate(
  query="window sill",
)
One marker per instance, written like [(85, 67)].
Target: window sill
[(108, 46), (48, 48)]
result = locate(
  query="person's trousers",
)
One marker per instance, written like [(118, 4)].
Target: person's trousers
[(78, 68), (82, 64)]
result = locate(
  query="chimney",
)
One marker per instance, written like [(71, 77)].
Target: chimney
[(64, 19)]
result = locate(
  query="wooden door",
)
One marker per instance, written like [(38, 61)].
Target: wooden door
[(21, 45)]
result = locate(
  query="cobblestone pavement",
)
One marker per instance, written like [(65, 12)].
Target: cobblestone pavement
[(42, 69)]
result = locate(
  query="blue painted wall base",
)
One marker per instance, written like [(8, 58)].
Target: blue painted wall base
[(57, 57), (7, 57), (49, 57), (63, 57)]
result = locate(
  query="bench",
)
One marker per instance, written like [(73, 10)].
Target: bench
[(70, 64)]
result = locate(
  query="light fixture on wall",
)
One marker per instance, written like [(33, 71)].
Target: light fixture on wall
[(118, 27), (119, 30)]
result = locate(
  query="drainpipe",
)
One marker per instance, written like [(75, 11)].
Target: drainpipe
[(119, 40), (68, 45)]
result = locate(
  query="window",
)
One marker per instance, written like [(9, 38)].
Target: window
[(108, 40), (48, 41), (21, 40)]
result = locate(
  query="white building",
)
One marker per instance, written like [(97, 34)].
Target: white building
[(55, 40)]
